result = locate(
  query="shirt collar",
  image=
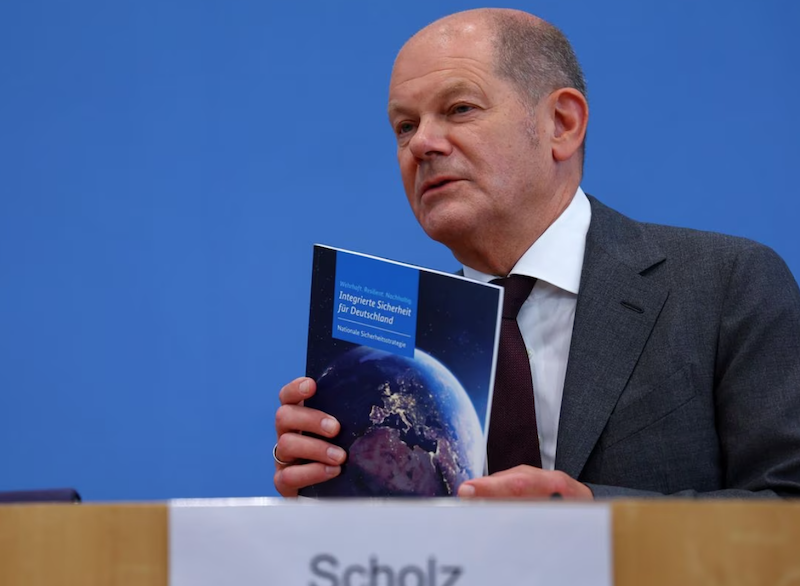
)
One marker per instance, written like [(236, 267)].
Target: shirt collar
[(557, 255)]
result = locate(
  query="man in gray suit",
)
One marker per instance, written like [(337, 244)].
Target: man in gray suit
[(664, 361)]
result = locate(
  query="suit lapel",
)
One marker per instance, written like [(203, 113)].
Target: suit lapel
[(616, 311)]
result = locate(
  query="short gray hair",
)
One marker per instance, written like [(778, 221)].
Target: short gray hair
[(535, 56)]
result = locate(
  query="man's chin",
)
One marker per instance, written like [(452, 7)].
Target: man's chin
[(450, 231)]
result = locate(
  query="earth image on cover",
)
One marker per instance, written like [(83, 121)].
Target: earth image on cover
[(408, 425)]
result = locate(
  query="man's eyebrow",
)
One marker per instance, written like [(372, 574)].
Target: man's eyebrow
[(458, 88), (395, 108), (446, 93)]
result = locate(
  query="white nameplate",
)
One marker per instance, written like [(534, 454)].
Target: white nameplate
[(266, 542)]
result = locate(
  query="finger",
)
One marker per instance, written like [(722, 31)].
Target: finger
[(297, 418), (519, 484), (292, 478), (297, 391), (515, 470), (293, 446), (525, 482)]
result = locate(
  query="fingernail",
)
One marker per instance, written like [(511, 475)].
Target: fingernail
[(336, 454), (466, 491), (328, 424), (305, 387), (332, 470)]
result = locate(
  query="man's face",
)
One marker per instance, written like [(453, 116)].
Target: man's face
[(469, 157)]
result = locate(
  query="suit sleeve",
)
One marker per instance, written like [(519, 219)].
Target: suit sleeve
[(756, 383)]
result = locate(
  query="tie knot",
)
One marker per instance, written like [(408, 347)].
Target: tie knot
[(517, 288)]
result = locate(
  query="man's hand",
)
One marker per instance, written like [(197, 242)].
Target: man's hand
[(322, 459), (525, 482)]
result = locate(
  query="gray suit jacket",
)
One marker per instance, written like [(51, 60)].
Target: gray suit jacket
[(684, 371)]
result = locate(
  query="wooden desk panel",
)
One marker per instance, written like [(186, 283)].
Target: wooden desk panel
[(706, 543), (83, 545)]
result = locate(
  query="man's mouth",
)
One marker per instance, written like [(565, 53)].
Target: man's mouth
[(436, 183), (439, 184)]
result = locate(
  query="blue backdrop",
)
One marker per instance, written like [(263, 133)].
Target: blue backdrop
[(165, 167)]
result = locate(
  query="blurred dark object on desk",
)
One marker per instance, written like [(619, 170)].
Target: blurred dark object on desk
[(52, 495)]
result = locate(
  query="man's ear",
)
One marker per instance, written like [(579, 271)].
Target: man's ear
[(570, 112)]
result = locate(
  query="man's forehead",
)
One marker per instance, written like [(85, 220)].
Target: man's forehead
[(448, 39), (449, 31), (432, 54)]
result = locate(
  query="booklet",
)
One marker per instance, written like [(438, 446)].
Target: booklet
[(404, 358)]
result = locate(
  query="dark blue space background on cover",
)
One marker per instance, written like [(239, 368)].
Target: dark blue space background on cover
[(456, 323)]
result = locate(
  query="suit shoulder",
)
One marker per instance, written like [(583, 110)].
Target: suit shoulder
[(674, 238), (688, 243)]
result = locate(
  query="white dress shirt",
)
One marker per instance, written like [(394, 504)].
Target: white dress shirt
[(546, 318)]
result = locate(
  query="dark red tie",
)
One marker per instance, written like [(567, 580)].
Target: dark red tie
[(513, 438)]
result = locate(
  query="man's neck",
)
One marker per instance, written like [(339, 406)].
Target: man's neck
[(497, 252)]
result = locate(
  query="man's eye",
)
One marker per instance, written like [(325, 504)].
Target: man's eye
[(404, 128), (461, 108)]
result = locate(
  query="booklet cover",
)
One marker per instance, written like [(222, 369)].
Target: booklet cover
[(404, 358)]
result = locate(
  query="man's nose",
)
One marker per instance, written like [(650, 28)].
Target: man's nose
[(430, 139)]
